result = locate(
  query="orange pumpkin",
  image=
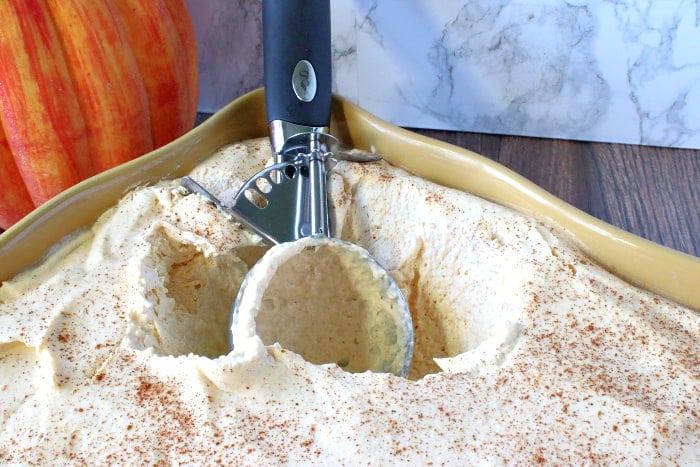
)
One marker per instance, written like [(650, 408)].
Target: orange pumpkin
[(86, 85)]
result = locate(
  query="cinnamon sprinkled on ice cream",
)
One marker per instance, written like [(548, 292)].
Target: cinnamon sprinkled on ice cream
[(114, 349)]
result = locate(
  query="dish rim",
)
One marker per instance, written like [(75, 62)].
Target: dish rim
[(643, 263)]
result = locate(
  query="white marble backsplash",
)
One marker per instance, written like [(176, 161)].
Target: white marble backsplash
[(621, 71)]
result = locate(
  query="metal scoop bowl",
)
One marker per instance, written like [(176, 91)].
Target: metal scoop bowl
[(329, 301)]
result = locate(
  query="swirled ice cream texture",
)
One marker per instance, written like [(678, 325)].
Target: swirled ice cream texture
[(113, 350)]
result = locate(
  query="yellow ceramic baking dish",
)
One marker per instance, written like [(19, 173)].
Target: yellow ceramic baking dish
[(639, 261)]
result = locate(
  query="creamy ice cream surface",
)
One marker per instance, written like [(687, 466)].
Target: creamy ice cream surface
[(114, 348)]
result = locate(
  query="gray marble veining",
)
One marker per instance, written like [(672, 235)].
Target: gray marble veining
[(603, 70), (229, 39)]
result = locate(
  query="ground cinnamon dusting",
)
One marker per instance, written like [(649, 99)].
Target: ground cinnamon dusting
[(526, 351)]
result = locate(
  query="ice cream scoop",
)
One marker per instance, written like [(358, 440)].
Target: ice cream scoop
[(319, 296)]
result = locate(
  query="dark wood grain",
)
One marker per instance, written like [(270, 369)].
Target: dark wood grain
[(649, 191)]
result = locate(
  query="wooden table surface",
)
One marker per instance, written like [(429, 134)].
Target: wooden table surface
[(649, 191)]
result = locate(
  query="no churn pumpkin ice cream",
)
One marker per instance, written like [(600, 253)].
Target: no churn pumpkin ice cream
[(114, 349)]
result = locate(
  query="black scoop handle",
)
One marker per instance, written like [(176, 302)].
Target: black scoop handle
[(297, 61)]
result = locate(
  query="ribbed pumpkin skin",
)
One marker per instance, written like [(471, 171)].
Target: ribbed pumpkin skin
[(15, 201), (109, 87), (86, 85), (39, 110)]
